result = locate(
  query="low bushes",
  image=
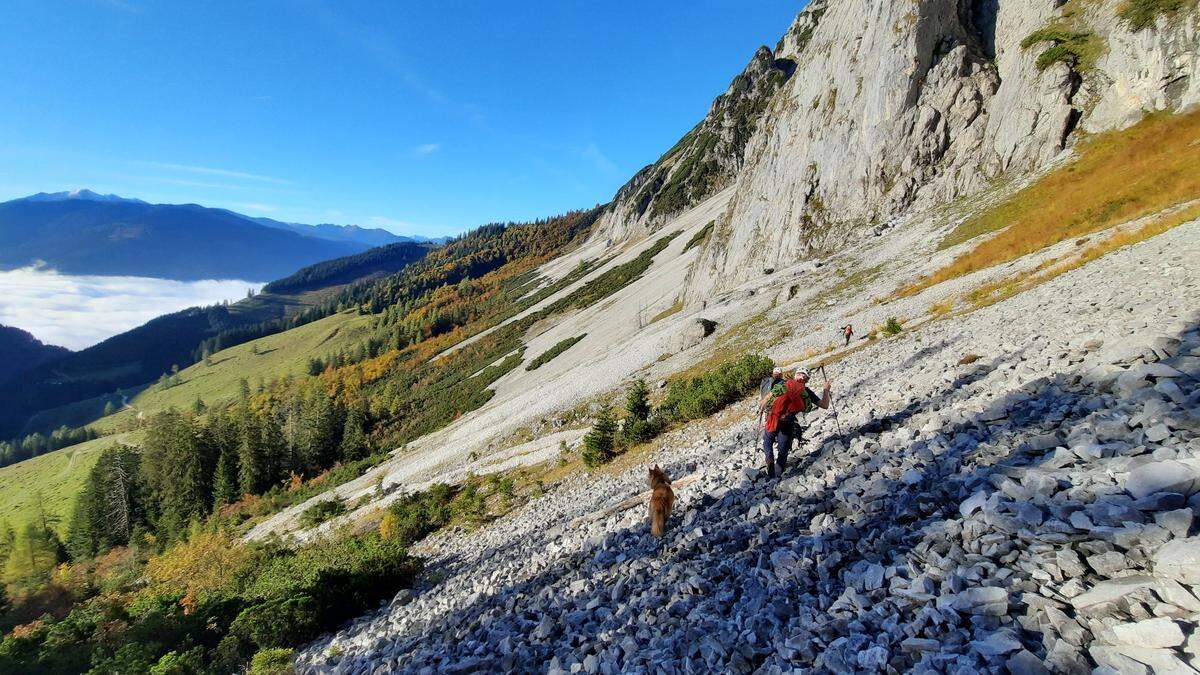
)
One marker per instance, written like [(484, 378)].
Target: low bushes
[(560, 347), (1142, 14), (687, 399), (704, 395), (203, 612), (322, 511)]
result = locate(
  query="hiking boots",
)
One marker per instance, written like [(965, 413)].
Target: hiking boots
[(770, 469), (782, 468)]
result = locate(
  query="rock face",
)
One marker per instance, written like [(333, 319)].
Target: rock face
[(869, 109), (693, 333), (703, 161)]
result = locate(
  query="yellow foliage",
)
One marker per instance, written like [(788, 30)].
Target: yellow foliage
[(348, 380), (205, 565), (388, 525)]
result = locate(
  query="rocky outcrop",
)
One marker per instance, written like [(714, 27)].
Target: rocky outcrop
[(897, 107), (705, 160)]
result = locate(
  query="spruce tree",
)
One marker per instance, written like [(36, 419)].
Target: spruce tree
[(225, 483), (637, 400), (355, 444), (252, 465), (598, 443), (176, 474)]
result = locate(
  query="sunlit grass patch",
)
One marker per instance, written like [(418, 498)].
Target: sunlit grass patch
[(1118, 177), (993, 292)]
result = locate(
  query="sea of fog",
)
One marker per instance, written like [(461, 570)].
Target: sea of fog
[(79, 311)]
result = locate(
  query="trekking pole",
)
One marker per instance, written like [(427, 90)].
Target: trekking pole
[(831, 406)]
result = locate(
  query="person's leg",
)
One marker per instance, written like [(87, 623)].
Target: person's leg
[(768, 450), (786, 433)]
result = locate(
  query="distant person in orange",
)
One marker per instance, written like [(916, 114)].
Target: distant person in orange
[(789, 399), (848, 332)]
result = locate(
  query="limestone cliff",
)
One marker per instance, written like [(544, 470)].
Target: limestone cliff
[(868, 109), (705, 160)]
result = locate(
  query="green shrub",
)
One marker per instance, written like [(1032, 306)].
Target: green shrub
[(278, 622), (272, 662), (323, 511), (1075, 48), (1142, 14), (190, 662), (610, 281), (471, 504), (637, 400), (599, 443), (706, 394), (892, 326), (560, 347), (417, 514), (700, 236)]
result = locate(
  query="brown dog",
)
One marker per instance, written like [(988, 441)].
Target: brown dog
[(662, 498)]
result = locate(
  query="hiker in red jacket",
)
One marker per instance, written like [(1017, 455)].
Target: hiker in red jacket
[(848, 331), (790, 399)]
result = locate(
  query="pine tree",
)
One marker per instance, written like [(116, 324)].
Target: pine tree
[(177, 472), (637, 400), (637, 427), (109, 507), (598, 443), (320, 426), (198, 407), (252, 469), (355, 444), (225, 483), (244, 388), (109, 408)]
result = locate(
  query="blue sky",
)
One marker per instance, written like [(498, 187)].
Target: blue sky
[(422, 117)]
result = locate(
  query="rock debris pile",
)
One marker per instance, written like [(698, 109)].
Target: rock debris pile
[(1029, 511)]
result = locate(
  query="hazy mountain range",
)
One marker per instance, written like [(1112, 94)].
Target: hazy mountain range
[(83, 232)]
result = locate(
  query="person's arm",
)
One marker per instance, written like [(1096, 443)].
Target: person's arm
[(825, 398)]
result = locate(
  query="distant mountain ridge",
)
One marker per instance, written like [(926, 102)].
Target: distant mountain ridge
[(180, 242), (370, 236), (20, 352)]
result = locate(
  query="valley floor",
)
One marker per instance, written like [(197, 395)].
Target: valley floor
[(1028, 510)]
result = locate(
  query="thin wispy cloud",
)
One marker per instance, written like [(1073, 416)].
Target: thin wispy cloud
[(593, 154), (426, 149), (256, 206), (210, 171), (79, 311)]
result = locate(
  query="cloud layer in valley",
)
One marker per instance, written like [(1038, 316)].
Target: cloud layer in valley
[(79, 311)]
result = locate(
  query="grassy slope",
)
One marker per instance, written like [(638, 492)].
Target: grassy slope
[(56, 477), (1119, 176), (278, 356)]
